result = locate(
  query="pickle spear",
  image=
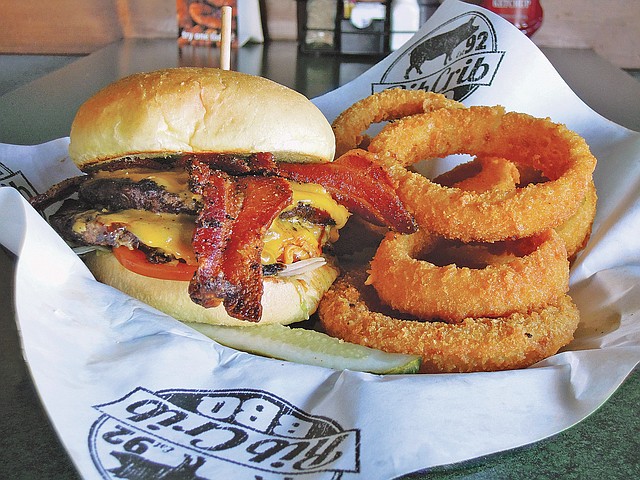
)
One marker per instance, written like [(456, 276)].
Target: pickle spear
[(309, 347)]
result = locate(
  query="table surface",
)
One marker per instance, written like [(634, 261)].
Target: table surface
[(605, 445)]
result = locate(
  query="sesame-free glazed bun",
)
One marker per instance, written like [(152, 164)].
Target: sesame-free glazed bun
[(285, 299), (184, 110)]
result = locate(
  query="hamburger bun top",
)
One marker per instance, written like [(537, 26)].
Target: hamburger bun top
[(191, 110)]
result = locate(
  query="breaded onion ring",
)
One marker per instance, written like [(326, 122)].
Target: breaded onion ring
[(560, 154), (472, 255), (482, 344), (537, 275), (576, 231), (387, 105), (482, 174), (486, 173)]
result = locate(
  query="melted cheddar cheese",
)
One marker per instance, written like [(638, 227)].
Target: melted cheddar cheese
[(169, 232), (287, 240), (291, 239)]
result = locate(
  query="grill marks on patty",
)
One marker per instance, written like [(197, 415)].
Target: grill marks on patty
[(103, 194), (124, 194), (309, 213), (93, 231)]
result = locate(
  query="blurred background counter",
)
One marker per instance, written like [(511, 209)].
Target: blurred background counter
[(32, 100), (609, 27)]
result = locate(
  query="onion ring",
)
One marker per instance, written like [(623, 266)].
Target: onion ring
[(486, 173), (481, 344), (481, 175), (387, 105), (576, 231), (560, 154), (535, 277), (472, 255)]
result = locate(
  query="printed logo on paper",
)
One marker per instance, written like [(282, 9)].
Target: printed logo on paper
[(17, 180), (211, 434), (454, 59)]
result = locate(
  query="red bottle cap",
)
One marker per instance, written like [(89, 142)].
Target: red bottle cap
[(524, 14)]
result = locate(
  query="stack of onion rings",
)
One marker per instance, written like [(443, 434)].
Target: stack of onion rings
[(483, 285)]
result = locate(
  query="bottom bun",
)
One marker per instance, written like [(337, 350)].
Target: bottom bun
[(285, 300)]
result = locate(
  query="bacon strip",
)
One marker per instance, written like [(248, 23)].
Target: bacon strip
[(228, 241), (57, 192), (264, 199), (358, 183), (213, 229), (354, 180)]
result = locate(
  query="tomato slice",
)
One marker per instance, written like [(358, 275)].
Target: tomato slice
[(136, 261)]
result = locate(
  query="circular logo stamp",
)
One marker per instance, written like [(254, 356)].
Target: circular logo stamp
[(240, 434), (454, 59)]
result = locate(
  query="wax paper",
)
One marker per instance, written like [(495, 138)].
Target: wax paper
[(133, 393)]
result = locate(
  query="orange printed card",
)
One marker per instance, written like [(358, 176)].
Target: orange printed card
[(200, 21)]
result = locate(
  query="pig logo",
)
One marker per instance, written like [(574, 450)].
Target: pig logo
[(200, 435), (136, 467), (442, 44), (454, 59)]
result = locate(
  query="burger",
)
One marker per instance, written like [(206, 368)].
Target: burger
[(213, 195)]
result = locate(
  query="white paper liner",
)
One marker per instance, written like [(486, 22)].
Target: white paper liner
[(105, 364)]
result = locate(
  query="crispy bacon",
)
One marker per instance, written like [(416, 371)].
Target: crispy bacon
[(57, 192), (264, 199), (213, 229), (229, 234), (354, 180), (358, 183)]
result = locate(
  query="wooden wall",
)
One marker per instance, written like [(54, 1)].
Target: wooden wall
[(610, 27)]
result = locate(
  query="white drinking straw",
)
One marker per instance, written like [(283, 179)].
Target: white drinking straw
[(225, 39)]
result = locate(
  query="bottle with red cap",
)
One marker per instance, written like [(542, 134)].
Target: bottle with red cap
[(524, 14)]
